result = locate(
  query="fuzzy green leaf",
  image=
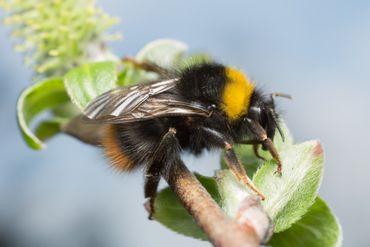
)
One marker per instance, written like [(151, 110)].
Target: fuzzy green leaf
[(170, 212), (164, 52), (288, 197), (42, 96), (90, 80), (317, 228), (232, 192)]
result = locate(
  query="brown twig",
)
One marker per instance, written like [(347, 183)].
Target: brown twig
[(250, 227), (87, 133), (220, 229)]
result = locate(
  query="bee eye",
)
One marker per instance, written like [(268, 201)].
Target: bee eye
[(255, 110)]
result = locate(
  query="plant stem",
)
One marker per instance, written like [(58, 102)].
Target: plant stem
[(220, 229)]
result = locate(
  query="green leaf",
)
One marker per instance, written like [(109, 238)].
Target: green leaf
[(288, 197), (211, 186), (130, 75), (42, 96), (49, 128), (90, 80), (164, 52), (170, 212), (317, 228), (66, 110), (194, 59)]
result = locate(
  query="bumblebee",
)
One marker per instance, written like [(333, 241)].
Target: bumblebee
[(205, 106)]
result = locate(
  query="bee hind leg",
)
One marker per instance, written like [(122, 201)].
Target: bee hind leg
[(152, 178), (163, 157)]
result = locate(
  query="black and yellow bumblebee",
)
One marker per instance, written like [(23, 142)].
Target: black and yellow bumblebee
[(204, 106)]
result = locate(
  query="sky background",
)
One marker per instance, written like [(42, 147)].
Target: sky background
[(318, 51)]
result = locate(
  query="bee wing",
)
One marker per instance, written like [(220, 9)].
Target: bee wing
[(141, 102)]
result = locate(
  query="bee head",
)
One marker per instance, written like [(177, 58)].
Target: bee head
[(262, 110)]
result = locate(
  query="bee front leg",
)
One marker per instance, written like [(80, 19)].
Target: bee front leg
[(163, 157), (262, 137), (255, 144), (256, 152)]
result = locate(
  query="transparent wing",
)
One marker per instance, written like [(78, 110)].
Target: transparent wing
[(141, 102)]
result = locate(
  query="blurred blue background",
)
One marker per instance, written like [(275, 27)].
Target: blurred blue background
[(318, 51)]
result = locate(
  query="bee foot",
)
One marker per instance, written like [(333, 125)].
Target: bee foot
[(278, 172), (249, 185), (149, 207)]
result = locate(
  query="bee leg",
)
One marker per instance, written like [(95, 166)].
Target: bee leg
[(267, 143), (148, 66), (256, 152), (238, 170), (255, 144), (152, 178), (163, 157)]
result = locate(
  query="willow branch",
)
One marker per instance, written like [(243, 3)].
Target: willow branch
[(85, 132)]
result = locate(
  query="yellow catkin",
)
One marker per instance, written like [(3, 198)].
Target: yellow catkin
[(237, 93)]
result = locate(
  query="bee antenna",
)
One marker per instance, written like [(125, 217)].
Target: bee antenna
[(273, 113), (283, 95), (275, 119)]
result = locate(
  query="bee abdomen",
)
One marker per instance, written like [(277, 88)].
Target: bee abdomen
[(114, 151)]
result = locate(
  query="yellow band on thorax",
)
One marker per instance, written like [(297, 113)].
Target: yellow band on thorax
[(237, 93)]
